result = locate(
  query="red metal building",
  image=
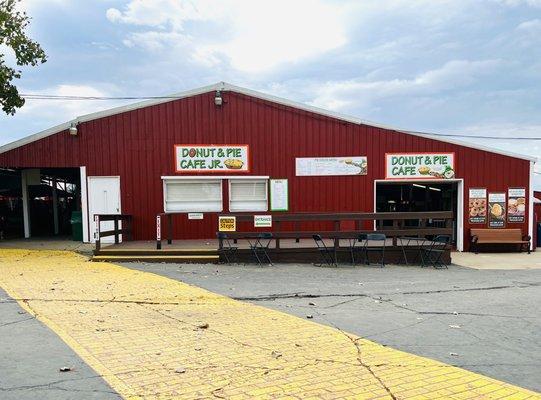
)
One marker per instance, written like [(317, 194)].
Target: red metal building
[(331, 162)]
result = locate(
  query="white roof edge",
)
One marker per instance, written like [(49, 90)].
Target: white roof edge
[(249, 92)]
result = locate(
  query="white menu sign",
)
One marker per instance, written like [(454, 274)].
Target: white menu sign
[(279, 195), (331, 166)]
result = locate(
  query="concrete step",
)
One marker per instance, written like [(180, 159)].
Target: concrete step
[(155, 252), (192, 258)]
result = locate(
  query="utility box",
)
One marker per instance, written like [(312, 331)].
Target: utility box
[(77, 226)]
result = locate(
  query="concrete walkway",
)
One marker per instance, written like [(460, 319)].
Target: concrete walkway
[(151, 337), (498, 260)]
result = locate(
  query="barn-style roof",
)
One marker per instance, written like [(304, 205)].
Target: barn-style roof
[(225, 87)]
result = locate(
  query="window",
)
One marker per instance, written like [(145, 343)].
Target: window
[(248, 195), (193, 195)]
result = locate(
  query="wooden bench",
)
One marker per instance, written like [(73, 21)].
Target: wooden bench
[(499, 236)]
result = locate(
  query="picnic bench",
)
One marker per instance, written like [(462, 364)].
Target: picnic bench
[(499, 236)]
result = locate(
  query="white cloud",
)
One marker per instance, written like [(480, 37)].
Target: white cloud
[(253, 35), (340, 95), (518, 3), (159, 13), (58, 111)]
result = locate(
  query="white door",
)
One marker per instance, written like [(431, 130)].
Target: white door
[(103, 198)]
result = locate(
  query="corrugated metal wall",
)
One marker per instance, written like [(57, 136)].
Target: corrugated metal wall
[(138, 146)]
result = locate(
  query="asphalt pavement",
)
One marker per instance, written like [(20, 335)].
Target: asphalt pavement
[(31, 359), (486, 321)]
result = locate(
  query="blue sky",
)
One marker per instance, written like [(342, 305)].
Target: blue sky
[(449, 66)]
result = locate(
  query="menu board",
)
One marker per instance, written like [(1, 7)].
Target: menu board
[(478, 206), (279, 195), (496, 205), (419, 165), (331, 166), (516, 205)]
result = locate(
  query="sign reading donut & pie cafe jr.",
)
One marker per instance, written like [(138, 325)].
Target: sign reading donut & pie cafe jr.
[(212, 158)]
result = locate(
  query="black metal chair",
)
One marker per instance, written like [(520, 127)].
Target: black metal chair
[(328, 255), (357, 248), (226, 249), (432, 254), (375, 243), (260, 248)]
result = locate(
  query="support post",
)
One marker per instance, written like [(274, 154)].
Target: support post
[(336, 229), (97, 238), (55, 208), (158, 232), (169, 228), (116, 230), (278, 231), (26, 204)]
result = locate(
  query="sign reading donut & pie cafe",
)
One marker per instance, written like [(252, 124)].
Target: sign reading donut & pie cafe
[(212, 158), (419, 165)]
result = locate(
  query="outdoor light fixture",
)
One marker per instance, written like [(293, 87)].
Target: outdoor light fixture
[(218, 98), (73, 129), (419, 186), (434, 189)]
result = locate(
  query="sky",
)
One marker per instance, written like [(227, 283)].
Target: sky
[(469, 67)]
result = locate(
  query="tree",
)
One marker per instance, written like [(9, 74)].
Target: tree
[(13, 24)]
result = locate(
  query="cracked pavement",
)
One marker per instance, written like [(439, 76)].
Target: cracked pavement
[(486, 321), (151, 337), (31, 356)]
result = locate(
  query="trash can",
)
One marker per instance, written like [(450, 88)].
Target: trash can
[(539, 234), (77, 226)]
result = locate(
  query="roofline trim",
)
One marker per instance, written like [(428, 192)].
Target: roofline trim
[(223, 86)]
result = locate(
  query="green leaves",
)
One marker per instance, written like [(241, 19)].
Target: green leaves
[(13, 24)]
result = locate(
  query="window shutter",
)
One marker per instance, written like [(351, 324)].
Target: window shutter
[(248, 195), (193, 196)]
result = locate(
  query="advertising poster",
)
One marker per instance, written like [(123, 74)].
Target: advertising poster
[(331, 166), (516, 205), (420, 166), (279, 195), (227, 224), (478, 206), (211, 158), (496, 205)]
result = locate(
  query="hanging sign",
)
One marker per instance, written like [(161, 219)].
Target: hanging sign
[(496, 205), (420, 166), (211, 158), (227, 224), (516, 205), (331, 166), (262, 221), (279, 195), (478, 206)]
